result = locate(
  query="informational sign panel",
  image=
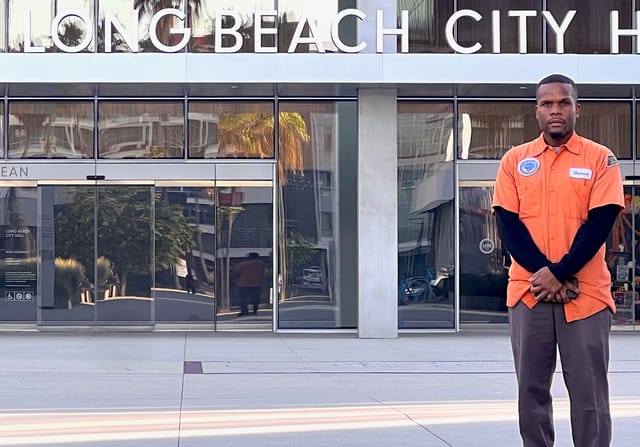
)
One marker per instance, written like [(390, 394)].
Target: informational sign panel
[(18, 252), (19, 272)]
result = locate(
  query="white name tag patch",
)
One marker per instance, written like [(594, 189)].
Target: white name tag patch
[(583, 173)]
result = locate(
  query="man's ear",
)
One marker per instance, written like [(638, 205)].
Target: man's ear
[(578, 109)]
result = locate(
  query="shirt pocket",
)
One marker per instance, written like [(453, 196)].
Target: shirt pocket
[(575, 198), (530, 196)]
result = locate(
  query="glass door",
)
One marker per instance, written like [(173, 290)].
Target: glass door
[(244, 235), (67, 273), (184, 253), (150, 252), (96, 253), (484, 263), (124, 262)]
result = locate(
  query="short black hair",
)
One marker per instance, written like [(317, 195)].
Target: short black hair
[(254, 255), (556, 77)]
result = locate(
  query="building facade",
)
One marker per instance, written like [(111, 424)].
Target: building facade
[(288, 165)]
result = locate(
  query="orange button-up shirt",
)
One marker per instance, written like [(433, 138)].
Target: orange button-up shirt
[(552, 193)]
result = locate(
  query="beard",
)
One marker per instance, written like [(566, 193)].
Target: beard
[(557, 134)]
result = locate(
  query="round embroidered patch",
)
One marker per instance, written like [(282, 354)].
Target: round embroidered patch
[(528, 166)]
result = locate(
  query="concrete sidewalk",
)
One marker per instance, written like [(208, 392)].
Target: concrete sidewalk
[(264, 389)]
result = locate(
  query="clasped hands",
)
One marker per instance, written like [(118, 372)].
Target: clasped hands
[(546, 287)]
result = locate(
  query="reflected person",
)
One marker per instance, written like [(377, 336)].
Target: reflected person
[(556, 199), (250, 276)]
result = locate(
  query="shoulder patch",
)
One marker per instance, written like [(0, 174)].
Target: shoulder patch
[(612, 161)]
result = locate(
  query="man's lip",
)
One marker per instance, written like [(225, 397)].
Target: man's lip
[(555, 122)]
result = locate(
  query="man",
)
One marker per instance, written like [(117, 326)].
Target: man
[(556, 199), (249, 280)]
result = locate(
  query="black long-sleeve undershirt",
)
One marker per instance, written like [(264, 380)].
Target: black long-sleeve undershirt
[(515, 236), (588, 240)]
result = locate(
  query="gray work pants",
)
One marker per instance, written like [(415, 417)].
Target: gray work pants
[(584, 354)]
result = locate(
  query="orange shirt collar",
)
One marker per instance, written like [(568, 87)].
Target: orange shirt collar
[(573, 145)]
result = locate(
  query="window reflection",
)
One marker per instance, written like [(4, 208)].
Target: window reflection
[(122, 9), (1, 130), (231, 130), (608, 123), (590, 30), (470, 31), (125, 228), (244, 242), (425, 215), (489, 129), (316, 163), (292, 12), (68, 273), (72, 31), (622, 253), (185, 261), (202, 16), (50, 130), (3, 15), (484, 263), (427, 21), (638, 129), (141, 130)]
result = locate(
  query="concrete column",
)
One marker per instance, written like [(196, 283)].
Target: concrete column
[(377, 213)]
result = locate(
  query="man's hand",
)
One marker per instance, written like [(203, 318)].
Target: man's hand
[(546, 287)]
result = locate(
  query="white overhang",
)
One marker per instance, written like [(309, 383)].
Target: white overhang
[(358, 69)]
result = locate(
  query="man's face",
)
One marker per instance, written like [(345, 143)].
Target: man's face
[(556, 111)]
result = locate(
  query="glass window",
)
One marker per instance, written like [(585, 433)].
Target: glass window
[(202, 15), (637, 130), (425, 215), (608, 123), (3, 15), (590, 29), (470, 31), (427, 20), (622, 253), (489, 129), (141, 130), (484, 263), (231, 130), (317, 162), (293, 12), (1, 129), (50, 129), (73, 31), (122, 10)]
